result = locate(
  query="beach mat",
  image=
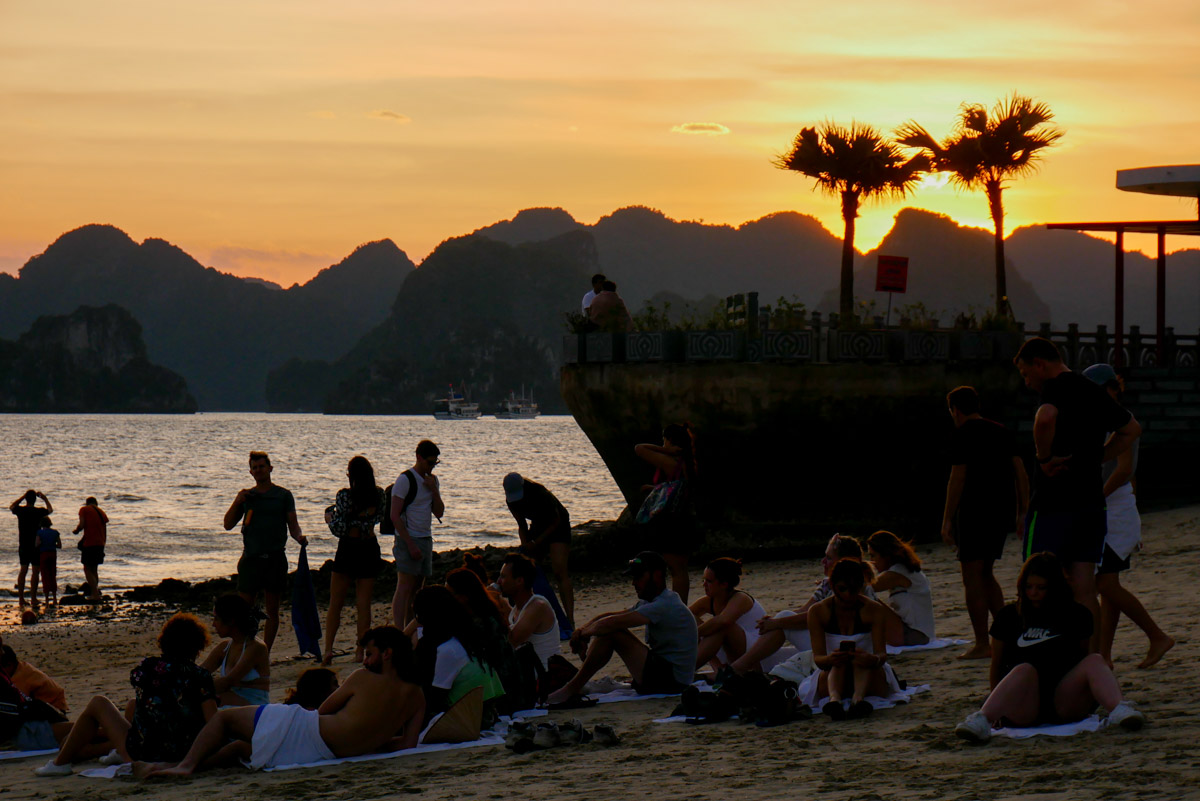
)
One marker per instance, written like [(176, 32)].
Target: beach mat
[(932, 645), (25, 754), (306, 621), (489, 739), (1093, 723)]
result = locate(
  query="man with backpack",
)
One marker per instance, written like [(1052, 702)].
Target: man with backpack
[(416, 500)]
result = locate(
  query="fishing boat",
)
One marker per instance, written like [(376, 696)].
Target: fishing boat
[(455, 406), (514, 408)]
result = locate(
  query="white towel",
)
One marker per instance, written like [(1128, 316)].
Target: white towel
[(1094, 723), (287, 734), (932, 645)]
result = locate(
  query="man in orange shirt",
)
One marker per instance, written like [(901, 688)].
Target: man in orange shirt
[(31, 681), (94, 525)]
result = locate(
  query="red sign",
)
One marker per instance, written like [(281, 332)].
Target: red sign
[(892, 274)]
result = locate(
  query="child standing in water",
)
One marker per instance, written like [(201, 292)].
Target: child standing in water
[(48, 541)]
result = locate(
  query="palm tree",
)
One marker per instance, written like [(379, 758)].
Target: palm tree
[(858, 164), (987, 151)]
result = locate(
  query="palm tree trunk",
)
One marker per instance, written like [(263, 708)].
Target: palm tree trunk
[(996, 207), (846, 299)]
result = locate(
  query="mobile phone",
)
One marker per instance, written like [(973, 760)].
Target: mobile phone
[(847, 646)]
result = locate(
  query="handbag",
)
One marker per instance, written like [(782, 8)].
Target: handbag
[(664, 499)]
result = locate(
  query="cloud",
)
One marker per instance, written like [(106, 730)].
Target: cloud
[(704, 128), (384, 114), (279, 266)]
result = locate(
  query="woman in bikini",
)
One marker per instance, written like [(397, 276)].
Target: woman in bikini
[(726, 616), (241, 661), (848, 633)]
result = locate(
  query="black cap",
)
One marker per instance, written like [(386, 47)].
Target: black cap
[(646, 561)]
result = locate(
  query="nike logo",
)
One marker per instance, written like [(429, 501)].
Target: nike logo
[(1034, 637)]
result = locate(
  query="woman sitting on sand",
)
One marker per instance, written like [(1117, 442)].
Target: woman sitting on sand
[(312, 688), (671, 534), (474, 563), (450, 659), (490, 622), (732, 614), (175, 698), (1041, 669), (909, 595), (792, 625), (848, 644), (355, 512), (241, 660)]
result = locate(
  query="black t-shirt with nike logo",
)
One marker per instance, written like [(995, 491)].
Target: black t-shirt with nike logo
[(1052, 640)]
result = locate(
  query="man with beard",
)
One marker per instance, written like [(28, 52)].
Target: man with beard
[(665, 662), (376, 709)]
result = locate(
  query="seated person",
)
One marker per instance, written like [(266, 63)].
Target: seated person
[(732, 614), (31, 681), (242, 662), (312, 688), (1041, 670), (848, 644), (665, 663), (450, 657), (899, 572), (491, 625), (374, 710), (531, 620), (474, 563), (791, 626), (174, 699)]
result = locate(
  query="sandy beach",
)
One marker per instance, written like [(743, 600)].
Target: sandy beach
[(908, 752)]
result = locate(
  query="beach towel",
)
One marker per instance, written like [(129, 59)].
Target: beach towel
[(305, 620), (23, 754), (1094, 723), (932, 645), (487, 739), (286, 734)]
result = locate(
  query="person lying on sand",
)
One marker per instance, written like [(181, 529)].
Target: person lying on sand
[(376, 709), (667, 664)]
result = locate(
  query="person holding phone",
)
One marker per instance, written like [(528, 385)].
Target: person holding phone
[(416, 500), (849, 644)]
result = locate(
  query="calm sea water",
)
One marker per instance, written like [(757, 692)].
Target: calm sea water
[(166, 481)]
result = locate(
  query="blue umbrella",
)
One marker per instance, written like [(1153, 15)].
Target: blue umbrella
[(305, 620)]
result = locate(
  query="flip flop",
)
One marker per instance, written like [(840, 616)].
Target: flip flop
[(576, 702)]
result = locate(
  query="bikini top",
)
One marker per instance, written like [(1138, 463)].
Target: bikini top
[(251, 674)]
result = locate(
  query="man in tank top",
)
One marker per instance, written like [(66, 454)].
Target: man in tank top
[(531, 619)]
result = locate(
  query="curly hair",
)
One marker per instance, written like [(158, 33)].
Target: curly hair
[(182, 638)]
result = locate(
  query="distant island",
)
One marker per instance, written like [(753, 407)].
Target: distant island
[(92, 360)]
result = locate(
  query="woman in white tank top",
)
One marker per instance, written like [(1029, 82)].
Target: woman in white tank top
[(727, 616), (909, 595)]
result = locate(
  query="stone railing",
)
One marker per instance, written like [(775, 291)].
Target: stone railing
[(749, 336)]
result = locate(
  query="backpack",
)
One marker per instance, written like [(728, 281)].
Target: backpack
[(385, 526)]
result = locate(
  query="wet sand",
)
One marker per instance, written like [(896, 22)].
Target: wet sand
[(908, 752)]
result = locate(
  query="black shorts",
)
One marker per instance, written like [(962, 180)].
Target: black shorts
[(1112, 563), (561, 533), (358, 557), (1071, 535), (91, 555), (658, 677), (979, 537), (27, 552), (266, 572)]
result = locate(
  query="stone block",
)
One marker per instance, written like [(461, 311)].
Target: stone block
[(860, 346), (703, 346), (654, 346), (605, 347), (926, 346), (788, 345)]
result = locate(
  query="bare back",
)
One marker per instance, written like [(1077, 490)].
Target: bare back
[(367, 711)]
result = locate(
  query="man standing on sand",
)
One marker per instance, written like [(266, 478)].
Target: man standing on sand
[(986, 476), (1067, 512), (548, 532), (29, 520), (665, 663), (416, 500), (94, 525), (268, 514), (376, 709)]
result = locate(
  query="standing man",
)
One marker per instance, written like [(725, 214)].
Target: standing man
[(416, 500), (29, 520), (94, 525), (1066, 514), (597, 284), (986, 477), (664, 663), (268, 515), (548, 532)]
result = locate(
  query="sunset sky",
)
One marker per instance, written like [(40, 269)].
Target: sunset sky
[(271, 138)]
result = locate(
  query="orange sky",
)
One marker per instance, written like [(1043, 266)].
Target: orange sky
[(270, 138)]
